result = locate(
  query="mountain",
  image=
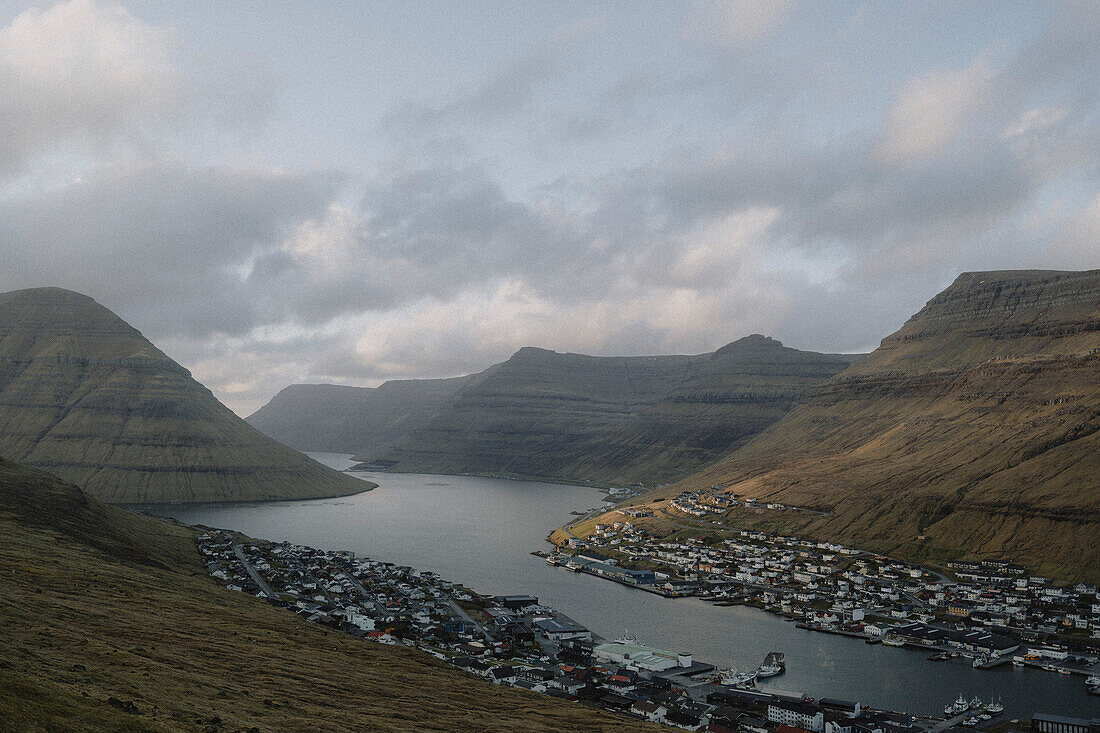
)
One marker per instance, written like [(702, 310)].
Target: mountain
[(101, 605), (85, 396), (972, 431), (338, 419), (571, 417)]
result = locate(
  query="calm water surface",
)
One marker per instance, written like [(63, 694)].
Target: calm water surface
[(480, 532)]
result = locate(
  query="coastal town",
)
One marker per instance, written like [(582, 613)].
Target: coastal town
[(516, 641), (990, 612)]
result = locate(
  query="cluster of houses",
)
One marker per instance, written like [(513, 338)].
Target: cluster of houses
[(715, 501), (990, 610), (663, 687), (516, 641)]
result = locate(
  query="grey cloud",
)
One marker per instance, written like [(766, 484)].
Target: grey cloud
[(84, 76), (161, 241), (511, 88)]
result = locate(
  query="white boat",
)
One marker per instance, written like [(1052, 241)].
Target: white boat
[(979, 661), (994, 707), (891, 640), (730, 676), (958, 708), (976, 703), (627, 638), (1093, 681), (773, 665)]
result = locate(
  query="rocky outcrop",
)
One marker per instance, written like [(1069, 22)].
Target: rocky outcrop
[(85, 396)]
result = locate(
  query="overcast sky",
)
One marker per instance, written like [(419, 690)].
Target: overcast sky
[(352, 192)]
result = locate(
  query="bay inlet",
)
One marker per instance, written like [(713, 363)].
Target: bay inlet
[(481, 531)]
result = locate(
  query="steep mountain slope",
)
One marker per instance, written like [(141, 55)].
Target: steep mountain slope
[(974, 430), (100, 603), (337, 419), (87, 397), (611, 419)]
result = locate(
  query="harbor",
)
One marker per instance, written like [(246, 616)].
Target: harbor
[(486, 542)]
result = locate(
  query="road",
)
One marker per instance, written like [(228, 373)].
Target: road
[(457, 609), (461, 613), (256, 577)]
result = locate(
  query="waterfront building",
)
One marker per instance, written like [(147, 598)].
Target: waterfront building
[(640, 656), (1044, 723), (797, 714), (559, 630)]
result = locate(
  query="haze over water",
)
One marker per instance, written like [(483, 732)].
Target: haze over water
[(480, 532)]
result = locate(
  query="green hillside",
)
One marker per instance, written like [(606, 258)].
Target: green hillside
[(972, 431), (88, 398), (99, 603)]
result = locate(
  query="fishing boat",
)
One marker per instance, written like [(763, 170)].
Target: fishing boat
[(774, 664), (979, 661), (891, 640), (959, 707), (975, 703), (627, 638), (994, 707), (730, 676)]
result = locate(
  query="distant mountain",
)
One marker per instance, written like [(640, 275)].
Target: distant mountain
[(566, 417), (974, 430), (85, 396), (337, 419)]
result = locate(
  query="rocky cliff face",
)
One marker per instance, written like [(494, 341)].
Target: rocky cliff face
[(85, 396), (974, 430), (611, 419)]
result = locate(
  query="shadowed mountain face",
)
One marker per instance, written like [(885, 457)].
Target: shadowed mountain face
[(88, 398), (337, 419), (573, 417), (975, 429)]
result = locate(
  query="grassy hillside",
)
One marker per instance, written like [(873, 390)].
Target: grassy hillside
[(972, 431), (611, 420), (88, 398), (99, 603), (339, 419)]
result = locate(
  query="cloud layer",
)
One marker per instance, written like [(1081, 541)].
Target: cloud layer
[(605, 187)]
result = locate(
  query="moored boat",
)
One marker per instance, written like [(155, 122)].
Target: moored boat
[(774, 664), (959, 707), (730, 676)]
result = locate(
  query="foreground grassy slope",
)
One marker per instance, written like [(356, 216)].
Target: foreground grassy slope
[(99, 603), (88, 398), (972, 431), (611, 420)]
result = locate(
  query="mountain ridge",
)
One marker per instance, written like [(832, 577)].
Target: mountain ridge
[(974, 430), (599, 419), (84, 395)]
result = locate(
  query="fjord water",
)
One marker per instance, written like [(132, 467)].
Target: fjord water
[(480, 532)]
